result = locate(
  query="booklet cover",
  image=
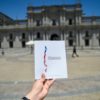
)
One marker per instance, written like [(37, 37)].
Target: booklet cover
[(50, 59)]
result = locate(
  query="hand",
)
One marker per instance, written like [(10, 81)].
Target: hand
[(40, 88)]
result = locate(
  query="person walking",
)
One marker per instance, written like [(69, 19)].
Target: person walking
[(74, 52)]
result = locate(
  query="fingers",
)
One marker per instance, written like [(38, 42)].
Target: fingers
[(48, 84), (42, 78)]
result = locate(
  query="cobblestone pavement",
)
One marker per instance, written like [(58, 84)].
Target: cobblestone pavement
[(83, 82)]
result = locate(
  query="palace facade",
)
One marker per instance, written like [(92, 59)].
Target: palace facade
[(57, 22)]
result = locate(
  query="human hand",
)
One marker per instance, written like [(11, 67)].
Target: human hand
[(40, 89)]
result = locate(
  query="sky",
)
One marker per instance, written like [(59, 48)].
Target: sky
[(17, 9)]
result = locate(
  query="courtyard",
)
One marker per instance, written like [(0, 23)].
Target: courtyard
[(17, 76)]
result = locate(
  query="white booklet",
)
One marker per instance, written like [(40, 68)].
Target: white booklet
[(50, 59)]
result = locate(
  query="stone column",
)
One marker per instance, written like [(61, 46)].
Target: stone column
[(81, 40), (44, 35), (47, 36), (79, 20), (64, 20), (78, 38), (65, 38), (5, 43), (17, 42), (91, 40), (61, 35), (44, 20), (30, 36), (94, 40), (30, 22)]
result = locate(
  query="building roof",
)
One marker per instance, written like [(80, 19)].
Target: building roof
[(4, 19)]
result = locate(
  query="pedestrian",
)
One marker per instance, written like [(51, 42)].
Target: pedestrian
[(74, 52)]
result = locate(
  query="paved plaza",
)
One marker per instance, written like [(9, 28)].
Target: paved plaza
[(17, 76)]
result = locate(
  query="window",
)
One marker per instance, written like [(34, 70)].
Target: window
[(70, 21), (23, 44), (38, 35), (38, 23), (1, 21), (87, 34), (54, 37), (23, 36), (86, 42), (99, 42), (70, 34), (70, 42), (11, 40), (11, 44), (53, 22), (23, 40), (10, 36)]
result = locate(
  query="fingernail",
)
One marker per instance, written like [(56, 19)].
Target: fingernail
[(43, 75)]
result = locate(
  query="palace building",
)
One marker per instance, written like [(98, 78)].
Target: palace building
[(56, 22)]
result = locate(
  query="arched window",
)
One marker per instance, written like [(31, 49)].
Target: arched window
[(54, 37)]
